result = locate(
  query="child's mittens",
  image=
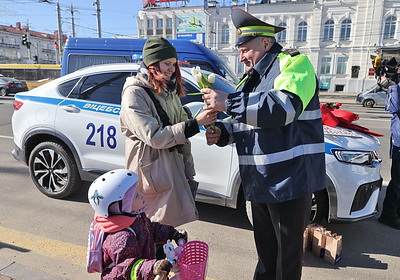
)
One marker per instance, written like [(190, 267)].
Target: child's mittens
[(162, 267), (178, 234)]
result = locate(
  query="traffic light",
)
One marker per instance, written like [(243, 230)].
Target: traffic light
[(25, 41)]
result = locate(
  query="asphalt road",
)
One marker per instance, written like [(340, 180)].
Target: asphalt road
[(43, 238)]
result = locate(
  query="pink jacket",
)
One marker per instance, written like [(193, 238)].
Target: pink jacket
[(124, 248)]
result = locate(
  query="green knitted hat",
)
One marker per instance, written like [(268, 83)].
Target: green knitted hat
[(156, 49)]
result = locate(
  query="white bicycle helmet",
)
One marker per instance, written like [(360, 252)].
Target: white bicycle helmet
[(111, 187)]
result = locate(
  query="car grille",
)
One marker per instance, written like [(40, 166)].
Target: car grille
[(363, 194)]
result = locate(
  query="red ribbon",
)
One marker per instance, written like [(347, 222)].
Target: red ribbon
[(336, 117)]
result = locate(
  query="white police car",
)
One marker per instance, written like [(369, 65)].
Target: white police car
[(68, 130)]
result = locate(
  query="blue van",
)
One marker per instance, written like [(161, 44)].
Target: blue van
[(83, 52)]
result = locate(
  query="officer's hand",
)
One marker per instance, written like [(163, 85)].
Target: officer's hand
[(213, 136), (214, 99)]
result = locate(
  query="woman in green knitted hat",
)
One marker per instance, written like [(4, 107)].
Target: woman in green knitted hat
[(158, 130)]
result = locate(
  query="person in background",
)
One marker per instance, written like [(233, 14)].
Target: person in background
[(128, 246), (390, 215), (158, 129), (275, 121)]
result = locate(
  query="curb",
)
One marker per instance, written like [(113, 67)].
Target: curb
[(335, 96)]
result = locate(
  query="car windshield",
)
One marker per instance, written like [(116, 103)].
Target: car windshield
[(373, 88)]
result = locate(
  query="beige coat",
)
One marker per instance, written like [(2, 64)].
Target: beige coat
[(163, 174)]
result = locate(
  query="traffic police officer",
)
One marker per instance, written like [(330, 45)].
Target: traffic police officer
[(277, 127)]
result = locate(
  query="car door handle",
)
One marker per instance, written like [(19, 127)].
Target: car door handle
[(71, 108)]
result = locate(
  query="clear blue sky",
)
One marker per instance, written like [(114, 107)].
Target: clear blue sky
[(118, 17)]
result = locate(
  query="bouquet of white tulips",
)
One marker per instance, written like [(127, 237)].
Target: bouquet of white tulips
[(204, 81)]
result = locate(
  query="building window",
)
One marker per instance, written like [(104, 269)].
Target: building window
[(225, 34), (326, 65), (341, 65), (390, 27), (302, 32), (328, 30), (345, 30), (281, 36), (159, 23), (169, 22), (150, 23)]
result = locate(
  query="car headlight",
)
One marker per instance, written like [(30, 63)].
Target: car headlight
[(357, 157)]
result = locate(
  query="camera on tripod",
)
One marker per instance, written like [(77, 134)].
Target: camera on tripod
[(389, 68)]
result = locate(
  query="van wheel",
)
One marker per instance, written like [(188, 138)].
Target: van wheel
[(369, 103), (54, 170)]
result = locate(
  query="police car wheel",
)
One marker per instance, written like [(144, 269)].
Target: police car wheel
[(53, 170), (319, 207)]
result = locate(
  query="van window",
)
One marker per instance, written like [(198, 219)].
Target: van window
[(229, 75), (78, 61), (202, 64), (226, 72)]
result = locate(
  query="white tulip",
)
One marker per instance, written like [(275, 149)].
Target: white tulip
[(198, 69), (211, 78), (194, 71), (198, 77)]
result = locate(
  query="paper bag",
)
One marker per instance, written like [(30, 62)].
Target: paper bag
[(306, 243), (319, 241), (333, 248), (311, 228)]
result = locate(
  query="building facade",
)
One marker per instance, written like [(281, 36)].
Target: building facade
[(42, 48), (339, 36)]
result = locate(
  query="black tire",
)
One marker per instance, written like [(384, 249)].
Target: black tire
[(54, 170), (3, 92), (319, 207), (369, 103)]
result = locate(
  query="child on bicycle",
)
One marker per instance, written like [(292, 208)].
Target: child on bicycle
[(128, 246)]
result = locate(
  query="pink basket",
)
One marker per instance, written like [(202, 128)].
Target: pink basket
[(193, 261)]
